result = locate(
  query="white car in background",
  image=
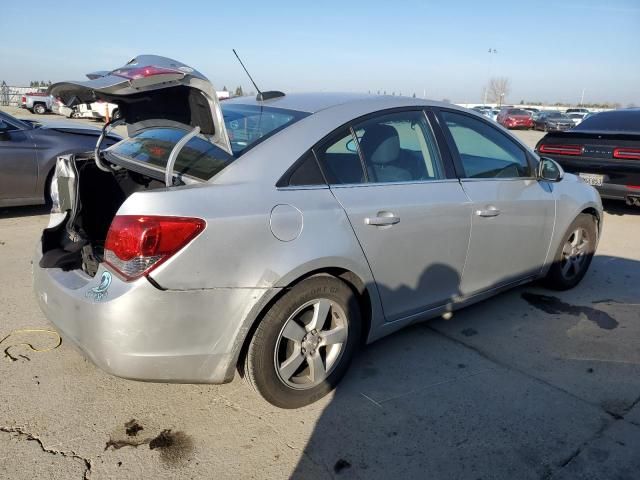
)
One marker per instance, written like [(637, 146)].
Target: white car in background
[(576, 117), (99, 110)]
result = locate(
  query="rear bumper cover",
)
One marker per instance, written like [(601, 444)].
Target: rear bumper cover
[(140, 332), (619, 175)]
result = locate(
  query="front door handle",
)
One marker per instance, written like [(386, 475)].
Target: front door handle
[(490, 211), (382, 219)]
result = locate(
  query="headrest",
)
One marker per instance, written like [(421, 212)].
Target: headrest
[(380, 144)]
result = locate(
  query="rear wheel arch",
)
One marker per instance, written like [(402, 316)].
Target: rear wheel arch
[(350, 278)]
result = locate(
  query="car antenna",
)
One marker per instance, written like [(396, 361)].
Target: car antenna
[(261, 95)]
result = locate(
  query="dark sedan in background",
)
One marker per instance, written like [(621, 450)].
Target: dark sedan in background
[(551, 121), (604, 150), (28, 152)]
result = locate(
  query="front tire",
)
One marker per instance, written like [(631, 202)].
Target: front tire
[(39, 108), (304, 344), (574, 255)]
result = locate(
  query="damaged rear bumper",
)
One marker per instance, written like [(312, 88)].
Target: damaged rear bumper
[(137, 331)]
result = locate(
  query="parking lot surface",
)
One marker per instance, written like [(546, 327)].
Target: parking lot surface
[(530, 384)]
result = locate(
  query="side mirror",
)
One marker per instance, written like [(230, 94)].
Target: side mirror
[(550, 170)]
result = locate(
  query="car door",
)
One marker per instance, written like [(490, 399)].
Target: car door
[(18, 162), (406, 207), (513, 213)]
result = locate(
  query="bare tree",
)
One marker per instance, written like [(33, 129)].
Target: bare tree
[(498, 89)]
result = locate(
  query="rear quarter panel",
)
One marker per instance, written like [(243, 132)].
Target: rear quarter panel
[(238, 248)]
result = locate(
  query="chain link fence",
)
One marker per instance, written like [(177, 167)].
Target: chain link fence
[(11, 96)]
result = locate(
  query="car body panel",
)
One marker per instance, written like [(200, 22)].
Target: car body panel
[(418, 262), (260, 239), (28, 156), (526, 217), (182, 343), (19, 167)]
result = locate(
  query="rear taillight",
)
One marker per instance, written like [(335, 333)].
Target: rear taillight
[(562, 149), (145, 72), (136, 245), (627, 153)]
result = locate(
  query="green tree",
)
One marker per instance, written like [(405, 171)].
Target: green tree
[(239, 92)]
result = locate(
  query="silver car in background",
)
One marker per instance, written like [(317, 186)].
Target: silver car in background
[(276, 234)]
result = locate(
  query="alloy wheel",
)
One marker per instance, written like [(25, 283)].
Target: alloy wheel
[(311, 343), (574, 253)]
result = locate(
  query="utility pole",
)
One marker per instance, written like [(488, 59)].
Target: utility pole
[(486, 88), (582, 97)]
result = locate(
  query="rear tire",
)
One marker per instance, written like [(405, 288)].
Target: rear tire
[(304, 344), (39, 108), (574, 254)]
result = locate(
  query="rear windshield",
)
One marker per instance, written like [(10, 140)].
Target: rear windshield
[(246, 126), (614, 121), (517, 111)]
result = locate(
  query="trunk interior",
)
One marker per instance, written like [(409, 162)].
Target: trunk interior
[(78, 242)]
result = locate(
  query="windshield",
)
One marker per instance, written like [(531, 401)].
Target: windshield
[(247, 125), (517, 111)]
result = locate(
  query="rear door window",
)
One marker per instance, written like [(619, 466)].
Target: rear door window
[(340, 160), (399, 147)]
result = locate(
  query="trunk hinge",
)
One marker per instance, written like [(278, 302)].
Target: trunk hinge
[(168, 173), (96, 152)]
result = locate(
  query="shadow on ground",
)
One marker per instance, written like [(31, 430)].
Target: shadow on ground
[(28, 211), (524, 385)]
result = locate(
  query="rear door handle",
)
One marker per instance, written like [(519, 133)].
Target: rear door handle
[(382, 219), (490, 211)]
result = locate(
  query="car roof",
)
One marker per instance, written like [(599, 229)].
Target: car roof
[(314, 102)]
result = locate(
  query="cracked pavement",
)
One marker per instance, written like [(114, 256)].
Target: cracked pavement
[(501, 390)]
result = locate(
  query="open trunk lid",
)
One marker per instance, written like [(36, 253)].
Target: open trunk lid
[(151, 90)]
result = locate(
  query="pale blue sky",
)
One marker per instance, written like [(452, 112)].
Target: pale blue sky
[(550, 50)]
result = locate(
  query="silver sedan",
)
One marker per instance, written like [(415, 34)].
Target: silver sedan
[(276, 234)]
